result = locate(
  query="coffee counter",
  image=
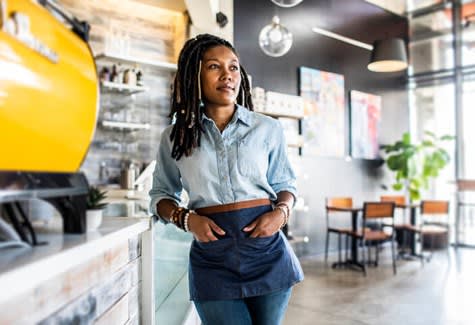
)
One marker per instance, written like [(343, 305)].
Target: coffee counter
[(94, 276)]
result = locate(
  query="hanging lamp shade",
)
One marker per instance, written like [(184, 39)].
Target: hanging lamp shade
[(275, 39), (286, 3), (388, 55)]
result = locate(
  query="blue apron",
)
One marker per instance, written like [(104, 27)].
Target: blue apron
[(236, 266)]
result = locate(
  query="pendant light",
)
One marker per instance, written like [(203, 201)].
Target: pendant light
[(274, 39), (388, 55), (286, 3)]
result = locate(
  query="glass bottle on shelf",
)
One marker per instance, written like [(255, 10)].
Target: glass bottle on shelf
[(104, 75), (139, 75), (114, 75)]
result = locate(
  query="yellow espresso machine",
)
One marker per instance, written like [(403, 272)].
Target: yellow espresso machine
[(48, 110)]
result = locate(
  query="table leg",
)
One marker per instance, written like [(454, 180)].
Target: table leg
[(354, 243), (412, 237), (354, 240)]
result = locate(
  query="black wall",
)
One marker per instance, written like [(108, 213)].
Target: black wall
[(320, 177)]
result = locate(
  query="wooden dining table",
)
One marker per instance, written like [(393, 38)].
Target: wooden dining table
[(353, 260), (412, 220)]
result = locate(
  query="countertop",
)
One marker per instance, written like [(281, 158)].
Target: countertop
[(23, 268)]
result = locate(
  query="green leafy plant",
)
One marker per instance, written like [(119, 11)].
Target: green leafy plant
[(95, 198), (416, 163)]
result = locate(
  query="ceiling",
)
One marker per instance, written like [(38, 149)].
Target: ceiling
[(402, 7), (399, 7)]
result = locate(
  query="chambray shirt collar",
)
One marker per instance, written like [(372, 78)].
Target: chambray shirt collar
[(242, 114)]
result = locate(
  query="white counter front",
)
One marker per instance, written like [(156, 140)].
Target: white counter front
[(39, 282)]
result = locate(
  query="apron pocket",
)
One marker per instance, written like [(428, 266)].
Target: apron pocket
[(261, 244), (211, 254)]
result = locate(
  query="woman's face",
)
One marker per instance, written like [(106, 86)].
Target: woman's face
[(220, 76)]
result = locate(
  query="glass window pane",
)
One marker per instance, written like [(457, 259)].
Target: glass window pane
[(468, 137), (431, 55), (435, 112), (468, 33), (419, 4), (430, 46), (433, 24), (468, 46)]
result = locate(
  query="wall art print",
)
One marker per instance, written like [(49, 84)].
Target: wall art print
[(365, 118), (324, 109)]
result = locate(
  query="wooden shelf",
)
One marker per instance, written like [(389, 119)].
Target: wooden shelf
[(166, 66), (122, 88), (125, 125), (276, 115), (295, 145)]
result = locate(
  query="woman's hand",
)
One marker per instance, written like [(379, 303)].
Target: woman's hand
[(266, 225), (203, 227)]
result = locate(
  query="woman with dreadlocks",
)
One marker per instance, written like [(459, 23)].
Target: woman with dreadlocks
[(232, 162)]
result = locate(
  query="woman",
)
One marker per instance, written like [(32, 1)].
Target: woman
[(232, 163)]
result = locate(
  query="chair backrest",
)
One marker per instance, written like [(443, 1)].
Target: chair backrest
[(338, 202), (435, 207), (398, 199), (376, 210), (466, 185)]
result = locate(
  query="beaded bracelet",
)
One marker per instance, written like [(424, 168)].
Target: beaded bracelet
[(284, 208), (175, 216), (179, 217), (186, 226)]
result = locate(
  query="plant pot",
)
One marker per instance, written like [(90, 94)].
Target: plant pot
[(93, 219)]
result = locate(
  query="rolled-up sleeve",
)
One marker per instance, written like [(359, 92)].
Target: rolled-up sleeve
[(280, 175), (166, 176)]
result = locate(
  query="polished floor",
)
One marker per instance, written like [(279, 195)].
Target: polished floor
[(441, 292)]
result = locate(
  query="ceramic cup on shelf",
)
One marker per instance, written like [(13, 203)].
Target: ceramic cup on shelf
[(93, 219)]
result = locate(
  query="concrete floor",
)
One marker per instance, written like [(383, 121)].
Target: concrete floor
[(441, 292)]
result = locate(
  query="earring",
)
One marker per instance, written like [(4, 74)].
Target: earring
[(192, 121)]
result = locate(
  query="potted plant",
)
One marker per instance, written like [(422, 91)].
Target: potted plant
[(95, 206), (416, 163)]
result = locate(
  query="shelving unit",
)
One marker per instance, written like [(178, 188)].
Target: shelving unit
[(166, 66), (295, 145), (122, 88), (125, 125), (117, 109), (277, 115)]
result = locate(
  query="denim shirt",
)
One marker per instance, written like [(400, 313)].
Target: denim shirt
[(248, 160)]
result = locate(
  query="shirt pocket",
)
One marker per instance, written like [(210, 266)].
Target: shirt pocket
[(252, 158)]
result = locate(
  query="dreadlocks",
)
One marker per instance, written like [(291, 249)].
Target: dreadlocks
[(186, 99)]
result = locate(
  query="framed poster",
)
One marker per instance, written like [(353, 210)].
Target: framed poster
[(365, 116), (323, 127)]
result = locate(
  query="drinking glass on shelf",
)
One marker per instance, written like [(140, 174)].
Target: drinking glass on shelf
[(111, 39)]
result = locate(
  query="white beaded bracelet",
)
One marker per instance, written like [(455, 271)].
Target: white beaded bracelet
[(185, 220)]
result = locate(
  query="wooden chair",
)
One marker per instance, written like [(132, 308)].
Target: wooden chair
[(377, 211), (465, 187), (432, 224), (403, 226), (331, 206), (398, 200)]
